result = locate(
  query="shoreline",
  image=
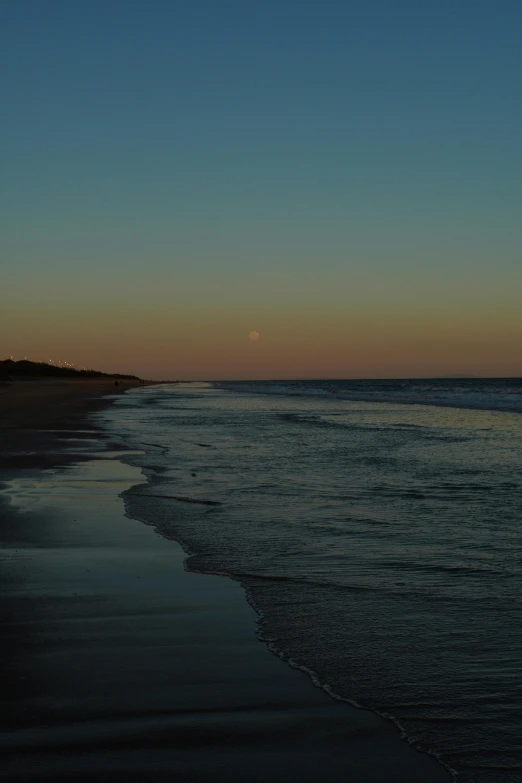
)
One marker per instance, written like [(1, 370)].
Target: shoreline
[(195, 692)]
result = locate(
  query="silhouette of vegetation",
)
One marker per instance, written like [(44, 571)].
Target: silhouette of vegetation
[(9, 368)]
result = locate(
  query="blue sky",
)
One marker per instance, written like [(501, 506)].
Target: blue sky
[(260, 152)]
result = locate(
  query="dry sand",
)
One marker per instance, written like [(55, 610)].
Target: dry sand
[(120, 665)]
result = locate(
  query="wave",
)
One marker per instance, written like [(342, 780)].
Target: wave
[(275, 649), (180, 498), (412, 430), (495, 394)]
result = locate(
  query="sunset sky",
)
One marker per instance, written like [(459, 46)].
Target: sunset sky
[(342, 177)]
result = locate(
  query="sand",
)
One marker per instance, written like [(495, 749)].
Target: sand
[(120, 665)]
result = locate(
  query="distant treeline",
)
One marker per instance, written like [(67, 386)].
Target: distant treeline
[(8, 367)]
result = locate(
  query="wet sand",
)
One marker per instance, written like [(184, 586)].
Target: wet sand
[(35, 412), (120, 665)]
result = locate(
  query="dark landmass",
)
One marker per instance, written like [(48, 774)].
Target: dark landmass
[(9, 368)]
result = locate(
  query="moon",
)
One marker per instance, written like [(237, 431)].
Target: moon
[(254, 336)]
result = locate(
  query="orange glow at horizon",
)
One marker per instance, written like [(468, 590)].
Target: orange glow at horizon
[(330, 342)]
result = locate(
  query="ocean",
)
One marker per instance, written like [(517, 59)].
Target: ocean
[(376, 527)]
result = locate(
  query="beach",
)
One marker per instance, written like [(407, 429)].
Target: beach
[(121, 665)]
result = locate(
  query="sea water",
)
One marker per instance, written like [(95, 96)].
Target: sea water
[(377, 529)]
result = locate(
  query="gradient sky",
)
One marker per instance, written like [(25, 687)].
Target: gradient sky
[(343, 177)]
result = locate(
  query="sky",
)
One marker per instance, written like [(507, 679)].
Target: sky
[(342, 177)]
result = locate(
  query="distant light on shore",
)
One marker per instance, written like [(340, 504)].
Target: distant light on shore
[(53, 362), (254, 335)]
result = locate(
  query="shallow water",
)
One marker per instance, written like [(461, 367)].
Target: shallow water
[(381, 541)]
